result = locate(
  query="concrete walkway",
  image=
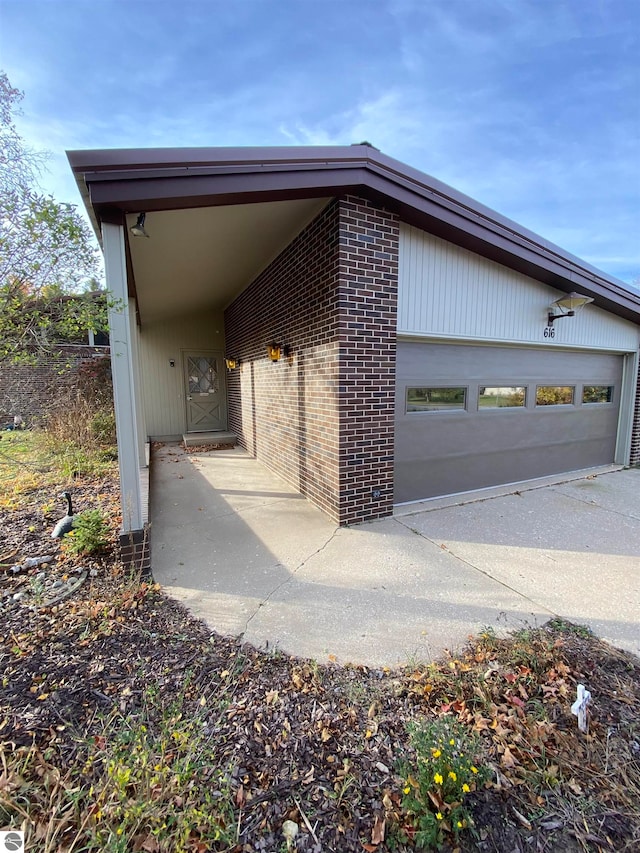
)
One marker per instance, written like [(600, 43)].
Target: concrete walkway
[(250, 556)]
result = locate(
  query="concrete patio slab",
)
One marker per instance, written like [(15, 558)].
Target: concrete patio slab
[(250, 556)]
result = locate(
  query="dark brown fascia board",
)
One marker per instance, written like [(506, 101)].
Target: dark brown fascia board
[(133, 159), (161, 193), (132, 180), (180, 162)]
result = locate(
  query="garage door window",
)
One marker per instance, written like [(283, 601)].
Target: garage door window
[(597, 394), (501, 397), (436, 399), (555, 395)]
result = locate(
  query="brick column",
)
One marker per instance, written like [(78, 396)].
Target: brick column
[(135, 551), (368, 264)]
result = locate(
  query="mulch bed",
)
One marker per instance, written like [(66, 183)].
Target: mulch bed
[(314, 744)]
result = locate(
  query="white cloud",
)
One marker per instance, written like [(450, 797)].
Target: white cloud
[(529, 107)]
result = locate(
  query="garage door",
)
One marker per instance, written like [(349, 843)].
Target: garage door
[(468, 417)]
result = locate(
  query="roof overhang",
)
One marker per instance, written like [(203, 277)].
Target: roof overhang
[(114, 183)]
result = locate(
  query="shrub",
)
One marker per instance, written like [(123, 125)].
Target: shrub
[(103, 426), (89, 534)]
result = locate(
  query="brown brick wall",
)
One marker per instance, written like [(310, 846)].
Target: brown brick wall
[(322, 418), (29, 390), (286, 413)]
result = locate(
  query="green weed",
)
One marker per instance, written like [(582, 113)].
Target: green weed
[(445, 770), (148, 781)]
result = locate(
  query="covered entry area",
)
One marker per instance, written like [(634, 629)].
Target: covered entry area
[(326, 256), (473, 416)]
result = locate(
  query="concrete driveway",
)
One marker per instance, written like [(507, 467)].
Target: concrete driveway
[(250, 556)]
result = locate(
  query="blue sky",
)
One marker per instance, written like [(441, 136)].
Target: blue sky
[(530, 106)]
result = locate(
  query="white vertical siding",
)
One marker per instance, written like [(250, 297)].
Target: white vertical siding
[(448, 292), (162, 385), (124, 377)]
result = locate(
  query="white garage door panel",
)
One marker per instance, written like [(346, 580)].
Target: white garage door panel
[(446, 452)]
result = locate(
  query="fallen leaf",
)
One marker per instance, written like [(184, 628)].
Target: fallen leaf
[(437, 800), (377, 833), (575, 786), (521, 818), (150, 845), (507, 760)]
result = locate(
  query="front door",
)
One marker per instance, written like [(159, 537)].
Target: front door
[(205, 391)]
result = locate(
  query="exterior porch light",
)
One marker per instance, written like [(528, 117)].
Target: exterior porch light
[(568, 306), (138, 229), (274, 351), (232, 363)]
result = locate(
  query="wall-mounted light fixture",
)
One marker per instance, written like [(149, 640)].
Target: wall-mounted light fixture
[(138, 229), (568, 305), (274, 351), (232, 363)]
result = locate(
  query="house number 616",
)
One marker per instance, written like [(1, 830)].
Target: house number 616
[(549, 332)]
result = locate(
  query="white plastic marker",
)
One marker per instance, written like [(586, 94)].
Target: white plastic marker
[(579, 707)]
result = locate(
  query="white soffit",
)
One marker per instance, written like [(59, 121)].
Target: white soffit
[(203, 257)]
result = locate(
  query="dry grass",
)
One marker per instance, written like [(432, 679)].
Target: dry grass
[(26, 463), (77, 441)]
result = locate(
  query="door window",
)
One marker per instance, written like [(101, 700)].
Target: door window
[(436, 399), (597, 393), (501, 397), (555, 395), (203, 375)]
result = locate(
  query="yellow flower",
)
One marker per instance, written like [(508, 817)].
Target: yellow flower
[(452, 742), (406, 790), (438, 816), (452, 775), (438, 779), (466, 788), (436, 753), (473, 769), (459, 824)]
